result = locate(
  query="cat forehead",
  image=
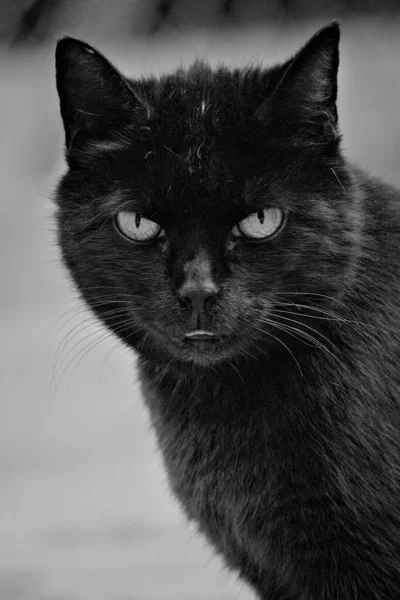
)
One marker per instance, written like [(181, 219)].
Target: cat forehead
[(199, 88), (194, 81), (195, 200)]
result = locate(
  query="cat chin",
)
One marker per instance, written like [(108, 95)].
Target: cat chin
[(205, 357), (202, 354)]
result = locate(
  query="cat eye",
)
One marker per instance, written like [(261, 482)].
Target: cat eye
[(136, 227), (260, 225)]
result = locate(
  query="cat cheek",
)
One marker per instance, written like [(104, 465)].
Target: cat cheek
[(232, 247), (163, 246)]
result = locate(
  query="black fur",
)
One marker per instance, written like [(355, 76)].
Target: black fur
[(281, 438)]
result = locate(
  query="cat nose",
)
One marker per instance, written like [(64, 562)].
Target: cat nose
[(198, 294)]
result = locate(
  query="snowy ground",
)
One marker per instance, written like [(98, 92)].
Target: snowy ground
[(85, 513)]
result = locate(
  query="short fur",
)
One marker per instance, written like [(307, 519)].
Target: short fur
[(281, 438)]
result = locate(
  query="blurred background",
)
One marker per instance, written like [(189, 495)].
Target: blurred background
[(85, 511)]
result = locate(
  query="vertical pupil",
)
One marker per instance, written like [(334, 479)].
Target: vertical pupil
[(138, 218), (260, 216)]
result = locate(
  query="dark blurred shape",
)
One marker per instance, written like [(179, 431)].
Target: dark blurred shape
[(31, 22), (163, 11), (42, 19), (164, 8), (227, 6), (340, 8)]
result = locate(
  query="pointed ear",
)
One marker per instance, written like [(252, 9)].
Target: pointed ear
[(95, 99), (303, 104)]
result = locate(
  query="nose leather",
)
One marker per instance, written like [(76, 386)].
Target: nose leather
[(198, 285), (198, 294)]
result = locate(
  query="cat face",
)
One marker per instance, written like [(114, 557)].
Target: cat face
[(201, 209)]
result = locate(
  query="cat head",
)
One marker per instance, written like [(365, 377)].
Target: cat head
[(202, 207)]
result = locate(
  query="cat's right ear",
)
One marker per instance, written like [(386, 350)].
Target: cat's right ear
[(95, 99)]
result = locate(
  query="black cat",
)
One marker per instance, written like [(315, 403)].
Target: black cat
[(211, 222)]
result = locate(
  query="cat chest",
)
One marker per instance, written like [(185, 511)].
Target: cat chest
[(226, 480), (249, 478), (242, 482)]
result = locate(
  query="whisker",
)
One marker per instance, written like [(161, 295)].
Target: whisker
[(57, 367), (92, 315), (266, 321), (237, 370), (272, 313), (116, 345), (119, 328), (288, 349), (337, 178), (314, 342), (332, 315), (80, 327), (83, 306), (57, 377), (286, 293), (81, 356)]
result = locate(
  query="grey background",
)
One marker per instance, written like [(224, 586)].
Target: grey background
[(85, 511)]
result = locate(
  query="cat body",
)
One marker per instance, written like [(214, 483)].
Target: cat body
[(292, 475), (211, 221)]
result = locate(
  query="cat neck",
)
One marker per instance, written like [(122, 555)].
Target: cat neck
[(225, 389)]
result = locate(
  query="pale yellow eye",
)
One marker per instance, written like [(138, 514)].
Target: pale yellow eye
[(136, 227), (260, 225)]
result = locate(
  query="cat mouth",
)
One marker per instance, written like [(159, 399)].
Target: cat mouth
[(200, 346), (200, 335), (204, 347)]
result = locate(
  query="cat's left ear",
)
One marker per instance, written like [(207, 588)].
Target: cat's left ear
[(303, 104), (96, 101)]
